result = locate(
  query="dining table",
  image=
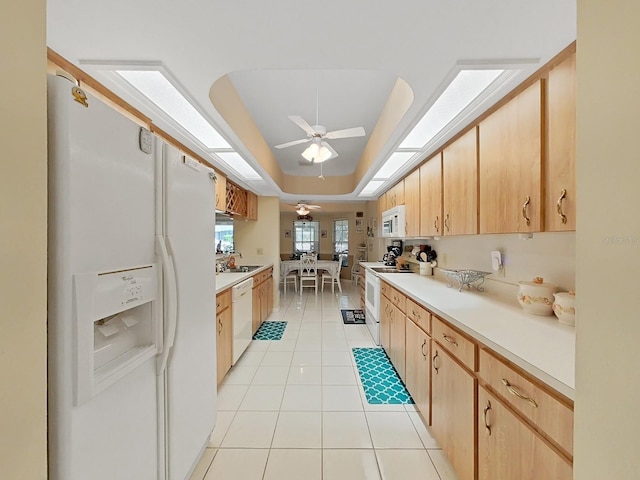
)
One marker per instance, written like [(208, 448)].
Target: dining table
[(331, 266)]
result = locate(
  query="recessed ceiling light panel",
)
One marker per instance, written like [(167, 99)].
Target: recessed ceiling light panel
[(235, 162), (156, 87)]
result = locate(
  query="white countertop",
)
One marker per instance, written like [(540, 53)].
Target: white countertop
[(229, 279), (539, 345)]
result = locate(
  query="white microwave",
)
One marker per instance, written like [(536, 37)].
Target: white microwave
[(394, 222)]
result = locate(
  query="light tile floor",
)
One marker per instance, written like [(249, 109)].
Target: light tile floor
[(294, 408)]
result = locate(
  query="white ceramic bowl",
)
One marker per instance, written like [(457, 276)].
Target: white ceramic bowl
[(536, 298), (564, 307)]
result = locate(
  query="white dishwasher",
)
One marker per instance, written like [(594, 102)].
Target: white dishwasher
[(242, 314)]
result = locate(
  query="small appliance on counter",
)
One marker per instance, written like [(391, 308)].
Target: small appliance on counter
[(393, 252)]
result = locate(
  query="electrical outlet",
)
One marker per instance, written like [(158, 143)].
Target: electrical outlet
[(260, 251)]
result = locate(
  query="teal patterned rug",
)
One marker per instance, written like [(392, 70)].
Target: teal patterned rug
[(380, 382), (270, 331)]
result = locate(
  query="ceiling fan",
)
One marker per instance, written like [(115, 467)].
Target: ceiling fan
[(304, 208), (319, 150)]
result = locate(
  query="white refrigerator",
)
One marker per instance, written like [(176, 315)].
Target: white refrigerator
[(131, 285)]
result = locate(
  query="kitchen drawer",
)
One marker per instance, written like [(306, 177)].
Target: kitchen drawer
[(223, 300), (420, 315), (398, 299), (452, 340), (548, 413), (385, 289)]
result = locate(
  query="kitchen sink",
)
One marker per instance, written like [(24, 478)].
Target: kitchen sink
[(389, 269), (244, 268)]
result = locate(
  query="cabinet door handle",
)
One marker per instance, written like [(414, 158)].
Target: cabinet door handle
[(562, 196), (514, 391), (219, 326), (424, 342), (433, 362), (486, 415), (449, 339), (446, 222), (435, 225), (527, 201)]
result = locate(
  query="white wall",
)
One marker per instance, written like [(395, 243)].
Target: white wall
[(607, 413), (264, 234), (23, 241)]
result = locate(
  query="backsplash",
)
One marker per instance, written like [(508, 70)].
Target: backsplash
[(547, 255)]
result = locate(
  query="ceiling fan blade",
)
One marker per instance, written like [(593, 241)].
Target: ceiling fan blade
[(346, 133), (294, 142), (302, 123), (334, 154)]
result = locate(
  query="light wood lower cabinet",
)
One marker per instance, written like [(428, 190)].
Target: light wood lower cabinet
[(262, 298), (464, 390), (224, 337), (392, 333), (418, 368), (397, 340), (508, 449), (453, 410)]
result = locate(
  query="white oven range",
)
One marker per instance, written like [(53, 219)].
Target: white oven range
[(372, 304)]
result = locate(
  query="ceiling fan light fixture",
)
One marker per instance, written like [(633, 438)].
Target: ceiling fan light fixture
[(316, 153), (302, 211)]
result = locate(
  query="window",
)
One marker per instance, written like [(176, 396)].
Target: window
[(341, 238), (224, 234), (305, 236)]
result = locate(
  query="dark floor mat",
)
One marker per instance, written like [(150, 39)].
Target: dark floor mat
[(352, 317)]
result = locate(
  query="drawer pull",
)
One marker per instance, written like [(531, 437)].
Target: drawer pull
[(416, 314), (486, 414), (218, 305), (424, 342), (513, 391), (449, 339), (563, 194), (433, 362)]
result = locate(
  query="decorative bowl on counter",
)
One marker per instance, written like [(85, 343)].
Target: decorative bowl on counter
[(466, 277), (537, 297), (564, 307)]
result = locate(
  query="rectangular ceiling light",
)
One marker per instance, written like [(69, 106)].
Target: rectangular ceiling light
[(394, 163), (159, 89), (371, 188), (235, 162), (463, 89)]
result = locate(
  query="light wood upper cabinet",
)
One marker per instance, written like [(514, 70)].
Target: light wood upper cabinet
[(412, 202), (252, 206), (508, 448), (398, 192), (221, 192), (460, 185), (560, 184), (431, 196), (510, 167)]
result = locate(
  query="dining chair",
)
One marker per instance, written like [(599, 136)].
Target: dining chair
[(290, 277), (333, 276), (308, 272)]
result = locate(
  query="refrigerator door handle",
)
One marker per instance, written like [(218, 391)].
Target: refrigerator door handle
[(169, 275)]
